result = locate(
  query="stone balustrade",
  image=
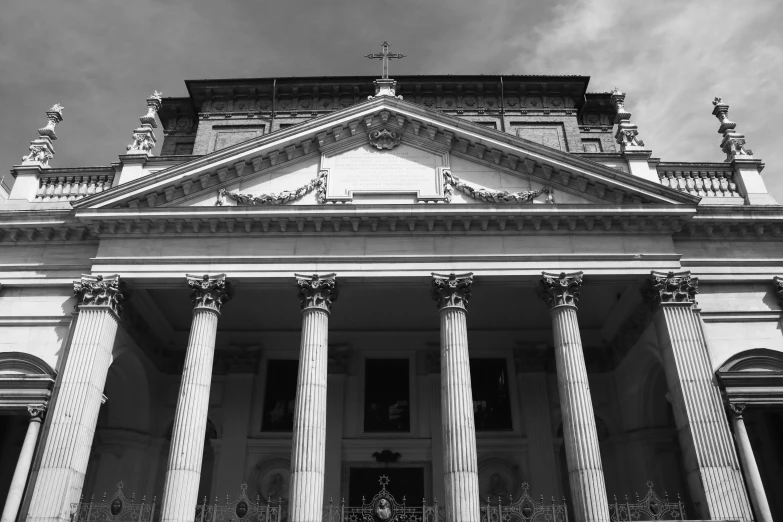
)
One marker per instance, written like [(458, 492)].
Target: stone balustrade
[(702, 183), (58, 187)]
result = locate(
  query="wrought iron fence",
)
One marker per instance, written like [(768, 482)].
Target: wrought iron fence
[(383, 507), (524, 509), (651, 507), (242, 509), (116, 509)]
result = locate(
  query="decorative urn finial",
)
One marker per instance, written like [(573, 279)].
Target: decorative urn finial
[(144, 137), (733, 143), (41, 148), (627, 135)]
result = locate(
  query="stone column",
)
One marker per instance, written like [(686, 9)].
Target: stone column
[(452, 293), (22, 471), (749, 466), (183, 471), (309, 437), (74, 414), (710, 460), (583, 456)]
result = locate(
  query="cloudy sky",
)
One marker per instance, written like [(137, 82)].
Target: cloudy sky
[(101, 58)]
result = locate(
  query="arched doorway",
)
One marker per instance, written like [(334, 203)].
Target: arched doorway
[(752, 382)]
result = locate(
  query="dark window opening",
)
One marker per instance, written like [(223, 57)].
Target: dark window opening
[(491, 402), (280, 395), (386, 395)]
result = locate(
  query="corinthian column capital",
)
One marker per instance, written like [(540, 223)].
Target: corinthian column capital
[(560, 289), (672, 288), (99, 291), (778, 282), (451, 290), (737, 409), (317, 291), (208, 291), (36, 411)]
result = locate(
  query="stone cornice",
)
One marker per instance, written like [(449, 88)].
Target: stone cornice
[(566, 171), (683, 222)]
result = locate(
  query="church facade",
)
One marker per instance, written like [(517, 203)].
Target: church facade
[(431, 296)]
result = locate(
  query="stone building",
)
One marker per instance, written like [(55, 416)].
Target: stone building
[(475, 289)]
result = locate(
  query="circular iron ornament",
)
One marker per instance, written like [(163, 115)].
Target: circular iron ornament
[(241, 509), (116, 507)]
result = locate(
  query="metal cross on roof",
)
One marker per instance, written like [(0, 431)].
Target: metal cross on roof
[(385, 56)]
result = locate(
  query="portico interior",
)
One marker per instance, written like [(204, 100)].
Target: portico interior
[(385, 320)]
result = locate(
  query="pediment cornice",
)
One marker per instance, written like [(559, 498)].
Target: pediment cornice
[(565, 172)]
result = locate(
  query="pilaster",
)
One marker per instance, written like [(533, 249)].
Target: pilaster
[(66, 451), (710, 460), (451, 293), (316, 293), (583, 456), (183, 471)]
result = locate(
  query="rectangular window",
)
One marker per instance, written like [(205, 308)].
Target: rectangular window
[(491, 402), (280, 395), (386, 395)]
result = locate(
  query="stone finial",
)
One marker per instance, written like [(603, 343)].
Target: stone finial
[(317, 291), (560, 289), (733, 143), (627, 135), (41, 149), (208, 291), (451, 289), (672, 287), (99, 291), (143, 137)]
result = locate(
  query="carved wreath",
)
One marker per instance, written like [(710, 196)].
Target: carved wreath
[(318, 184), (450, 182)]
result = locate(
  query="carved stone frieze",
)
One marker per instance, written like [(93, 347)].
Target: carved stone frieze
[(450, 182), (317, 291), (560, 289), (208, 291), (99, 291), (672, 287), (318, 184), (451, 290), (384, 139)]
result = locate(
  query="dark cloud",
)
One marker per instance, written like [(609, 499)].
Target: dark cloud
[(101, 58)]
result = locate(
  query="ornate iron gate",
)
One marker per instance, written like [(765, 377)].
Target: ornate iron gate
[(115, 509), (651, 507), (524, 509)]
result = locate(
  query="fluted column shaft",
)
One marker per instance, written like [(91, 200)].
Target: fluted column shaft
[(451, 293), (66, 450), (756, 487), (709, 457), (15, 492), (710, 460), (74, 416), (183, 471), (459, 430), (583, 455), (308, 448), (308, 455)]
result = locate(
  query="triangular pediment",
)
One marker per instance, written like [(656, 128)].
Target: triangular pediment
[(386, 151)]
